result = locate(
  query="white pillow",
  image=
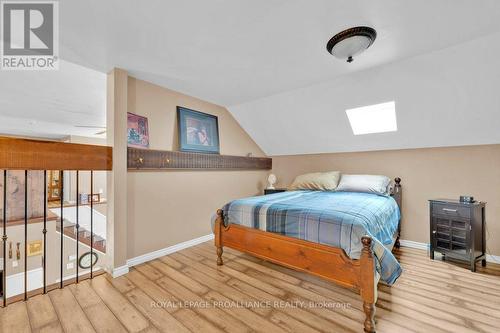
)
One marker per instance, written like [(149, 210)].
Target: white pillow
[(364, 183)]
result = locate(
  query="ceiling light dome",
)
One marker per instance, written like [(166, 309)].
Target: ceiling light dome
[(348, 43)]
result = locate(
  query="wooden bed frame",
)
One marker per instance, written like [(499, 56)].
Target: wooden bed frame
[(328, 262)]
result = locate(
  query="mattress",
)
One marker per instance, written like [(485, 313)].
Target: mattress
[(337, 219)]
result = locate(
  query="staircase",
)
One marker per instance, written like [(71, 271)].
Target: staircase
[(83, 235)]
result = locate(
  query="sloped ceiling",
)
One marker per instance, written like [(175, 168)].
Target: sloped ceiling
[(234, 51), (444, 98)]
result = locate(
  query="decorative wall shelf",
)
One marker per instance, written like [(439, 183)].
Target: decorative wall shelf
[(148, 159)]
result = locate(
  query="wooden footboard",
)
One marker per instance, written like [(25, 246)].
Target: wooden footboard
[(328, 262)]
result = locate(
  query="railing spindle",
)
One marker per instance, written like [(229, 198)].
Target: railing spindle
[(77, 222), (25, 235), (61, 179), (4, 239), (91, 224), (21, 154), (44, 231)]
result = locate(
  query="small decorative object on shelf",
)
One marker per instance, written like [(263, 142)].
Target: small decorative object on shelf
[(96, 197), (458, 230), (84, 198), (271, 181), (467, 199), (273, 190)]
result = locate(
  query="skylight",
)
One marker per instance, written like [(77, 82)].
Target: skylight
[(377, 118)]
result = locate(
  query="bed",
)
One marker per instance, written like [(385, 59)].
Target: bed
[(343, 237)]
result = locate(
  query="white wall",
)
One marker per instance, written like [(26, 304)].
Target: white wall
[(448, 97), (84, 176)]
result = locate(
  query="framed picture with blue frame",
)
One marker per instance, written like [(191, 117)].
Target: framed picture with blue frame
[(198, 131)]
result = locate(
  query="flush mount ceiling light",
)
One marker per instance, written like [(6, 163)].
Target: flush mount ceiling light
[(348, 43)]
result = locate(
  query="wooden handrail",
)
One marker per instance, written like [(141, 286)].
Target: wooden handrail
[(24, 154)]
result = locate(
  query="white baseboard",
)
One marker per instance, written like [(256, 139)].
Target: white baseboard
[(425, 246), (492, 258), (414, 245), (159, 253), (119, 271), (168, 250)]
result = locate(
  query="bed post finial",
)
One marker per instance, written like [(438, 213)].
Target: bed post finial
[(219, 222), (367, 283), (397, 194), (367, 245)]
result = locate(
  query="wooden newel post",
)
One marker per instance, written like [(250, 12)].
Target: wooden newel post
[(219, 224), (368, 284)]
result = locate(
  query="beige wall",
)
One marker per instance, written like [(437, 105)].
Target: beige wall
[(166, 208), (426, 174)]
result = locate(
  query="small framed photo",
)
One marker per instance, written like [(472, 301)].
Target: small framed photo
[(96, 197), (84, 198), (137, 131), (198, 131)]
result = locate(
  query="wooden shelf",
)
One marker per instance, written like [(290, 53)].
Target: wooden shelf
[(148, 159)]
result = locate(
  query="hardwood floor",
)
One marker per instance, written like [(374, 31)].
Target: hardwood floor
[(187, 292)]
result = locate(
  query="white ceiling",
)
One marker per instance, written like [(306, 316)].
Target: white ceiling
[(49, 104), (233, 51)]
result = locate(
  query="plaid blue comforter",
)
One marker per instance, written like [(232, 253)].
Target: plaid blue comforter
[(337, 219)]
